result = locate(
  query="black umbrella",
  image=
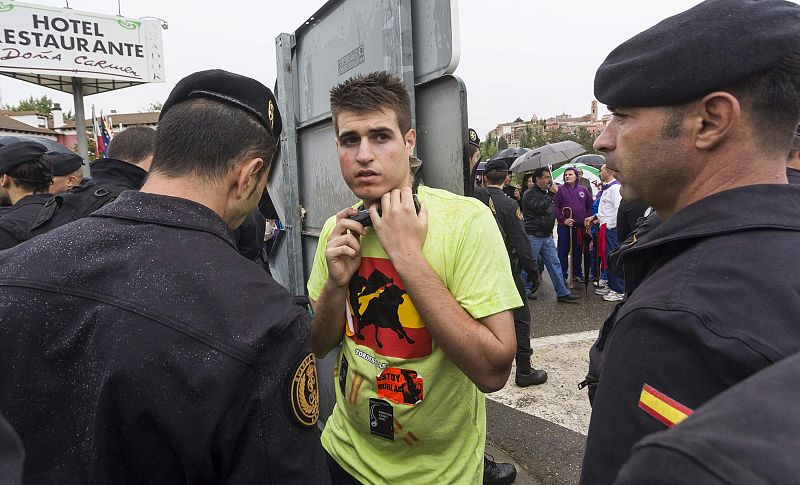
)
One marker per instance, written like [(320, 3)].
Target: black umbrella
[(590, 159), (51, 145), (509, 154), (587, 258)]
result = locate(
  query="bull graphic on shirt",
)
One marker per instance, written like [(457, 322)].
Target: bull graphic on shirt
[(377, 299)]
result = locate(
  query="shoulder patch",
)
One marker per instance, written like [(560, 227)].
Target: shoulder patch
[(491, 206), (304, 392), (519, 214)]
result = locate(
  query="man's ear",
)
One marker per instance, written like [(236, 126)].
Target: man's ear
[(720, 116), (250, 171), (410, 140), (4, 180)]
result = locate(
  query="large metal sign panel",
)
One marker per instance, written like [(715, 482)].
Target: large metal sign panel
[(45, 45), (436, 38), (441, 107), (346, 38)]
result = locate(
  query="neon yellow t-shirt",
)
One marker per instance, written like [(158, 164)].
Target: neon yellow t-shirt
[(404, 412)]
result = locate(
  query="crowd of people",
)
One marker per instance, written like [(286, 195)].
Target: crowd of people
[(141, 342)]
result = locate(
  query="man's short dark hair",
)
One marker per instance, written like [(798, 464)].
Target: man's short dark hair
[(33, 176), (371, 93), (495, 177), (772, 100), (207, 138), (132, 145), (539, 172)]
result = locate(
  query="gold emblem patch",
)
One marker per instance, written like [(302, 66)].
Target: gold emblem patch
[(519, 215), (304, 393), (473, 136), (271, 114)]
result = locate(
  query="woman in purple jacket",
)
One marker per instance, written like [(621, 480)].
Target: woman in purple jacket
[(576, 197)]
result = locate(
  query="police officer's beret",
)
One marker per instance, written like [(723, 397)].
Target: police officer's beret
[(64, 163), (495, 165), (473, 138), (240, 91), (16, 154), (708, 47)]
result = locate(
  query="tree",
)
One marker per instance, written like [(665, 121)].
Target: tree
[(42, 105), (502, 143), (488, 147), (526, 140), (91, 143)]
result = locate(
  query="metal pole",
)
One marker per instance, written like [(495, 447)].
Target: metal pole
[(80, 122), (294, 226)]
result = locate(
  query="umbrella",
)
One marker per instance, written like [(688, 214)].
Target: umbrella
[(546, 155), (587, 259), (51, 145), (592, 159), (510, 154)]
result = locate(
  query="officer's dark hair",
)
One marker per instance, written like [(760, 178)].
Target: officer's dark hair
[(36, 176), (772, 100), (371, 93), (539, 172), (206, 138), (495, 177), (132, 145)]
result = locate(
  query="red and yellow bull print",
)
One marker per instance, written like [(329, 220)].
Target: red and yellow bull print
[(380, 314)]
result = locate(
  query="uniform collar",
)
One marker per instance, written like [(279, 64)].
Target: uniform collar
[(165, 210), (735, 210), (32, 199), (119, 172)]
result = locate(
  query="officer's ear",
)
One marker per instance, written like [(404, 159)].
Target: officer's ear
[(250, 172), (5, 181)]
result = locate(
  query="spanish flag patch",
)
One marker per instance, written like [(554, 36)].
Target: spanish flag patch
[(662, 407)]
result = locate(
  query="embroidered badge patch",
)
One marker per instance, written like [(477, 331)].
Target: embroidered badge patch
[(402, 386), (519, 215), (304, 393), (662, 407)]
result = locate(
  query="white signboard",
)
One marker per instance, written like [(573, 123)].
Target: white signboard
[(51, 41)]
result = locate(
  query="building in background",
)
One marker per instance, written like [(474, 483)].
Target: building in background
[(514, 131)]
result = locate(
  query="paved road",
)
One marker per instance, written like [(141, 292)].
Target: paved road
[(542, 429)]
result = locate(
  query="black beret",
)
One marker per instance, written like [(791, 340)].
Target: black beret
[(495, 165), (240, 91), (64, 163), (708, 47), (473, 138), (15, 154)]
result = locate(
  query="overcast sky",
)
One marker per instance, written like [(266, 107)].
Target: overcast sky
[(518, 57)]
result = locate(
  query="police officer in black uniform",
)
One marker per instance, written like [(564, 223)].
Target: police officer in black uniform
[(165, 357), (746, 434), (130, 154), (509, 218), (67, 171), (25, 179), (701, 135)]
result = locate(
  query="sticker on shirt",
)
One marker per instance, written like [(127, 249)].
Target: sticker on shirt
[(402, 386), (343, 367), (381, 418), (380, 314), (662, 407), (580, 194)]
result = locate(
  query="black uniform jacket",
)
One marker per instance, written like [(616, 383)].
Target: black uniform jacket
[(509, 218), (12, 455), (747, 434), (713, 298), (15, 221), (537, 206), (793, 175), (137, 346), (116, 175)]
